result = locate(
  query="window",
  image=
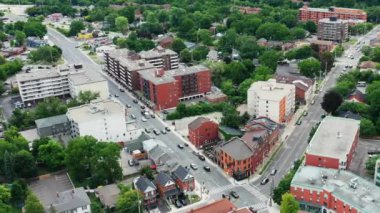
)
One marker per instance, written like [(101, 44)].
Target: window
[(84, 207)]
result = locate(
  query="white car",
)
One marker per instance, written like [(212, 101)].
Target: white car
[(143, 119)]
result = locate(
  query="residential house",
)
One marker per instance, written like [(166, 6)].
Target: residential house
[(262, 42), (147, 189), (73, 200), (202, 131), (249, 10), (357, 96), (367, 65), (35, 42), (108, 195), (53, 125), (55, 17), (166, 186), (184, 179)]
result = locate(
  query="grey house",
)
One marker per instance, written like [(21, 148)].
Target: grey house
[(52, 125)]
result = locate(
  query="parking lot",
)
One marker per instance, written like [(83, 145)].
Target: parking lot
[(361, 155), (47, 187)]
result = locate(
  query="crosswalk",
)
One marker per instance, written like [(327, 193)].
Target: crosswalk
[(259, 206), (221, 189), (256, 192)]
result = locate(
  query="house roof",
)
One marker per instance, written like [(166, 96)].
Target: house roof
[(164, 179), (236, 148), (50, 121), (108, 194), (349, 114), (367, 65), (195, 124), (182, 174), (137, 144), (220, 206), (143, 184), (71, 199), (357, 95)]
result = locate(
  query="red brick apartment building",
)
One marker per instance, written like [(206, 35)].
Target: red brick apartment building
[(315, 14), (240, 157), (220, 206), (202, 130), (165, 89), (329, 190), (184, 180), (333, 144)]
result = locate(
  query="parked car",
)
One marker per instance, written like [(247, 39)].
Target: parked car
[(234, 194), (186, 144), (155, 131), (167, 129), (252, 209), (305, 113), (135, 101), (183, 201), (264, 181), (273, 172), (194, 166), (178, 204), (163, 131), (299, 122), (207, 168), (201, 157), (122, 90), (131, 162), (180, 146), (133, 116), (147, 130), (143, 119), (128, 106), (152, 115), (142, 107), (165, 112), (116, 95)]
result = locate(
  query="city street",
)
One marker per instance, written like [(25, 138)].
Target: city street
[(296, 143), (215, 182)]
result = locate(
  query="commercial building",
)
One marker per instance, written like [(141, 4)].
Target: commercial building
[(104, 120), (165, 89), (306, 13), (376, 177), (333, 144), (161, 58), (270, 99), (64, 81), (220, 206), (333, 29), (202, 130), (329, 190), (52, 126)]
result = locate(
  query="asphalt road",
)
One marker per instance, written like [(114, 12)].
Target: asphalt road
[(215, 181), (296, 143)]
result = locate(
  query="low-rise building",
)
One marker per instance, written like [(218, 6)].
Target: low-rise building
[(35, 42), (85, 81), (333, 29), (329, 190), (74, 200), (166, 186), (147, 189), (220, 206), (270, 99), (249, 10), (376, 177), (108, 195), (333, 144), (323, 46), (52, 126), (104, 120), (55, 17), (202, 130), (184, 179)]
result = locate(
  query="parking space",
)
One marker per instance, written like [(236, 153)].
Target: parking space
[(129, 170), (47, 186), (361, 156)]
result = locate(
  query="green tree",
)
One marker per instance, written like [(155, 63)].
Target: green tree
[(128, 201), (20, 38), (33, 205), (48, 54), (298, 33), (311, 27), (310, 67), (204, 36), (8, 166), (178, 45), (262, 73), (186, 26), (367, 128), (185, 56), (34, 28), (147, 172), (228, 41), (75, 27), (289, 204), (24, 164), (37, 143), (290, 20), (331, 101), (18, 193), (85, 97), (270, 58), (121, 24), (371, 163), (11, 135), (52, 155), (50, 107), (5, 194), (273, 31)]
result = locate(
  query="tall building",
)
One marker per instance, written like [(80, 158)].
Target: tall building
[(333, 29), (104, 120), (333, 144), (270, 99), (306, 13), (329, 190), (376, 177), (160, 57), (37, 84), (165, 89)]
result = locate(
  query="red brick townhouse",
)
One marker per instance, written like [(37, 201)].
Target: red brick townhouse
[(202, 130), (166, 186), (333, 144), (306, 13), (185, 181), (329, 190), (147, 189)]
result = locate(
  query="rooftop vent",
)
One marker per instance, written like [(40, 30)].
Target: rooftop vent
[(339, 135)]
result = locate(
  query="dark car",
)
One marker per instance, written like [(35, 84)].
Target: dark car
[(264, 181), (156, 132), (178, 204), (201, 157), (116, 95), (180, 146), (122, 90), (142, 107), (165, 112), (183, 201), (252, 210), (167, 129), (234, 194), (147, 130), (207, 168), (135, 101), (152, 115)]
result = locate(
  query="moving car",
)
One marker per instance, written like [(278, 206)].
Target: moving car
[(207, 168), (305, 113), (180, 146), (142, 107), (116, 95), (273, 172), (264, 181), (122, 90), (201, 157), (234, 194), (152, 115), (194, 166), (165, 112), (183, 201)]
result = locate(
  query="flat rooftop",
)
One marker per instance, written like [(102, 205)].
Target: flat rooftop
[(157, 52), (341, 10), (271, 90), (35, 74), (85, 78), (365, 198), (334, 137)]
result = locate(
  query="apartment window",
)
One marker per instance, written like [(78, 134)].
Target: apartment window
[(84, 207)]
